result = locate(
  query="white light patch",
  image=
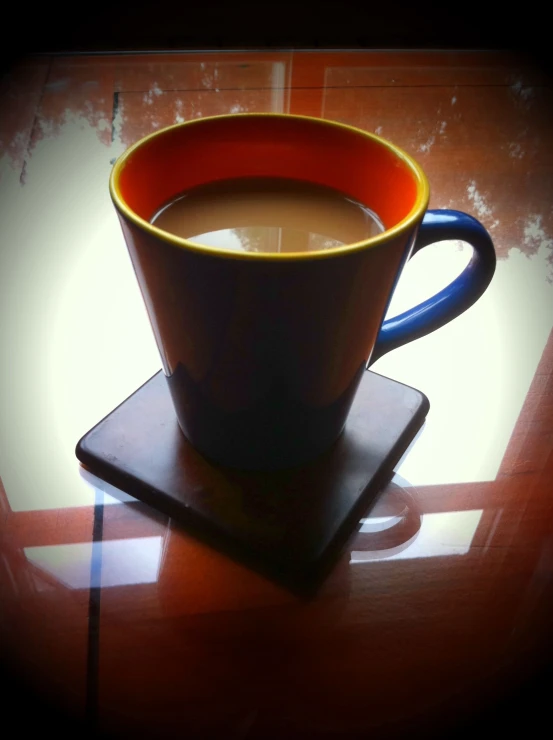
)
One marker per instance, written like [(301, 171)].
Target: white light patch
[(476, 370), (77, 338), (123, 562), (440, 535)]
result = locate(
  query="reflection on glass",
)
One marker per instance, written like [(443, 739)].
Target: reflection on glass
[(441, 534), (373, 524), (123, 562), (105, 493), (118, 497)]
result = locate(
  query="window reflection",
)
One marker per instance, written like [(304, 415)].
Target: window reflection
[(440, 534), (123, 562), (90, 307), (477, 370)]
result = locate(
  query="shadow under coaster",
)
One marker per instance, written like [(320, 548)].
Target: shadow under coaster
[(291, 525)]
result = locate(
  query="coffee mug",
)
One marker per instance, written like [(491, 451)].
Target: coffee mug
[(263, 352)]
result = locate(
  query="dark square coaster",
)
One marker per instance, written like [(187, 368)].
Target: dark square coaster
[(291, 525)]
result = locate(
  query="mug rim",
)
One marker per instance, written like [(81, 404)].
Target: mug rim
[(404, 226)]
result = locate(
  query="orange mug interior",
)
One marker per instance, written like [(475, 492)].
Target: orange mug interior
[(361, 165)]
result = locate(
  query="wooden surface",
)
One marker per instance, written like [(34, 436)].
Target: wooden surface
[(111, 614)]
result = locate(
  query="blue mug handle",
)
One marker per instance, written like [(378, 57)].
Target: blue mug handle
[(466, 289)]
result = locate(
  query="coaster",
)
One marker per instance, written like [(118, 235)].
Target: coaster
[(291, 525)]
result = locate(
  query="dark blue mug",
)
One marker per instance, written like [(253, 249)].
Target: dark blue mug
[(264, 352)]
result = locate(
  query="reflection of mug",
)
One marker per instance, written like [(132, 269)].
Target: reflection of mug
[(392, 526), (264, 352)]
